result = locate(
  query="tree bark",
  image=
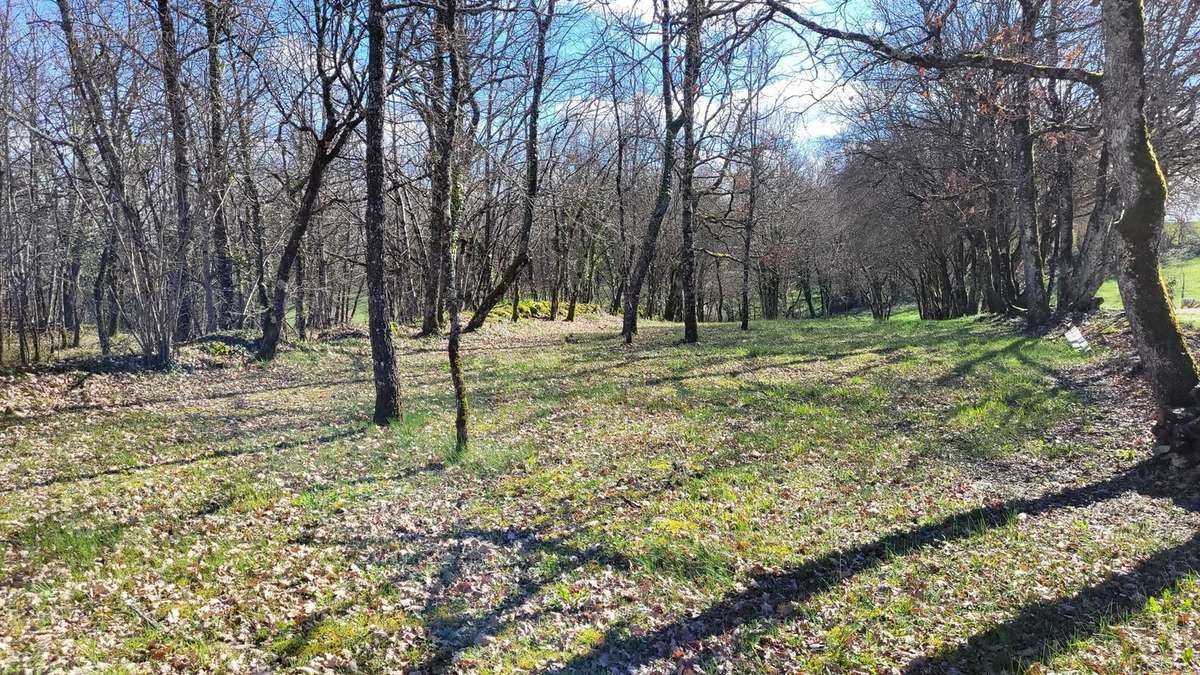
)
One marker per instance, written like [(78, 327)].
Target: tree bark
[(1037, 307), (1088, 268), (532, 176), (180, 167), (637, 275), (1169, 366), (214, 17), (273, 321), (691, 90), (383, 350)]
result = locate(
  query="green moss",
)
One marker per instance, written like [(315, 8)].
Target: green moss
[(332, 635)]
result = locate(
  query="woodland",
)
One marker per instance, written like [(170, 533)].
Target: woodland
[(560, 336)]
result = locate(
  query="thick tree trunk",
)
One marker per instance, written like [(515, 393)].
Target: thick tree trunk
[(1168, 364), (431, 304), (383, 350), (1064, 216)]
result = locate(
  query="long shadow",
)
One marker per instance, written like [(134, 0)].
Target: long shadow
[(377, 478), (8, 421), (1045, 628), (452, 634), (1014, 348), (764, 592), (467, 630), (222, 453)]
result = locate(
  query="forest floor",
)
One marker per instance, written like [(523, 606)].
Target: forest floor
[(817, 496)]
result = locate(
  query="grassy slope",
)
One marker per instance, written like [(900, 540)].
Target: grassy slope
[(812, 496)]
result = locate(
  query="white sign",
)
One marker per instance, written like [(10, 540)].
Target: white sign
[(1076, 340)]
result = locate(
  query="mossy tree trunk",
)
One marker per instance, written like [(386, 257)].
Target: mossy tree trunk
[(446, 185), (1164, 353)]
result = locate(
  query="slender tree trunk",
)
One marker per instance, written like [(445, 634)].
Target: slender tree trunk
[(181, 170), (748, 225), (1095, 248), (1037, 308), (637, 275), (98, 289), (691, 90), (298, 304), (444, 181), (383, 350), (214, 15), (1024, 213), (273, 321), (516, 301), (532, 176), (254, 200), (556, 246)]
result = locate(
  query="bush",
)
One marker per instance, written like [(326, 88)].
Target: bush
[(216, 348)]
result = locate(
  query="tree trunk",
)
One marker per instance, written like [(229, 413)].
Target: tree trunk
[(532, 168), (214, 16), (301, 322), (445, 181), (383, 351), (1037, 308), (691, 90), (637, 276), (1163, 350), (273, 320), (181, 170), (1088, 268)]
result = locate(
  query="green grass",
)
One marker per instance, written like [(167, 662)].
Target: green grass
[(1183, 279), (806, 497)]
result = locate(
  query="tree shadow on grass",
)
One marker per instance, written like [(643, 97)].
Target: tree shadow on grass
[(12, 421), (220, 453), (1013, 349), (452, 632), (763, 593), (1046, 628)]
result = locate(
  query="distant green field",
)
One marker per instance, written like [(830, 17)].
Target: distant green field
[(1183, 278)]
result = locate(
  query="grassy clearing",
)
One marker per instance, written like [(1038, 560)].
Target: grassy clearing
[(1183, 279), (812, 496)]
